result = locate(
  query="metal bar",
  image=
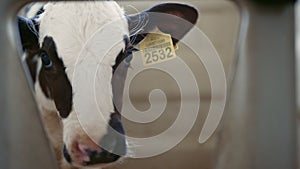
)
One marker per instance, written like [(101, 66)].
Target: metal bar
[(23, 142), (259, 129)]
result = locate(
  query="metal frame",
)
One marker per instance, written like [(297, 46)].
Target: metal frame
[(23, 142), (259, 128)]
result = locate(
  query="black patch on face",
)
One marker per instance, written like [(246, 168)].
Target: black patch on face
[(54, 81), (121, 64)]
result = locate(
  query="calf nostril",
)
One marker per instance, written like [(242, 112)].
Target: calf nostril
[(85, 152)]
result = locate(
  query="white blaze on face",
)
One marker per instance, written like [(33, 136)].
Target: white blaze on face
[(89, 37)]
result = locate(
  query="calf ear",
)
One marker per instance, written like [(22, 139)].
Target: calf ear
[(28, 31), (175, 19)]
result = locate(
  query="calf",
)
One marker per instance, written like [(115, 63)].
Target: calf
[(72, 50)]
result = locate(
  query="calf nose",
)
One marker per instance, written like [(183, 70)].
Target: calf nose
[(80, 152), (111, 147), (88, 154)]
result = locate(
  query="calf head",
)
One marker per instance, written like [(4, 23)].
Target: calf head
[(73, 50)]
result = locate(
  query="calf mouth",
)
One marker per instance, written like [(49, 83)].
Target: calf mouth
[(102, 158), (94, 157)]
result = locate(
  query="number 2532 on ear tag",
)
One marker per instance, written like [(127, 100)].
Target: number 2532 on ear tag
[(157, 48)]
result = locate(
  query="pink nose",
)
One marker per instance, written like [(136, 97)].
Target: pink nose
[(87, 152), (82, 151)]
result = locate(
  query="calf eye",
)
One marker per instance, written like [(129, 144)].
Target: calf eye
[(46, 60)]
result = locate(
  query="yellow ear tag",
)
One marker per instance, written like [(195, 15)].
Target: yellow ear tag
[(157, 47)]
